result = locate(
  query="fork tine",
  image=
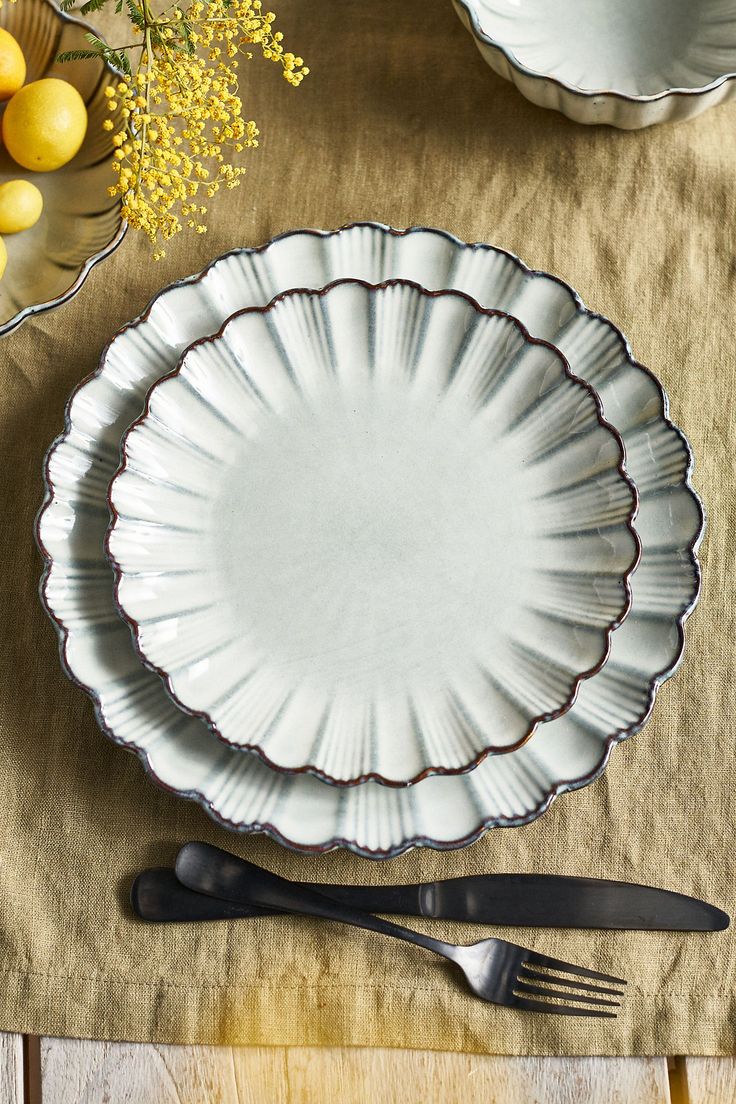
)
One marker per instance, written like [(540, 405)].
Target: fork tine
[(560, 1009), (550, 979), (540, 991), (568, 968)]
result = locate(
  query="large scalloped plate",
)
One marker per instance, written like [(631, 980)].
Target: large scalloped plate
[(239, 790)]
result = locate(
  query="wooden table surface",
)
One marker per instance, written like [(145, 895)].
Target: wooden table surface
[(64, 1071)]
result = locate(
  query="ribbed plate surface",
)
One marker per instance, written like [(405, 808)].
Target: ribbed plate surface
[(239, 790), (373, 533)]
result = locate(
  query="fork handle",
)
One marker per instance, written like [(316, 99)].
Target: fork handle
[(207, 869)]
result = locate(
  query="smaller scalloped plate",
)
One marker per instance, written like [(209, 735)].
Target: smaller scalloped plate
[(373, 532)]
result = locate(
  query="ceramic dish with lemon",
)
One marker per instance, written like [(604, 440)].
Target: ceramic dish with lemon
[(56, 216)]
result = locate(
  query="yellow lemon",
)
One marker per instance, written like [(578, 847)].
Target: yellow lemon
[(44, 124), (21, 204), (3, 258), (12, 65)]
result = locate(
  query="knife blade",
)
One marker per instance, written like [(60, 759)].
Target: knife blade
[(520, 900), (541, 900)]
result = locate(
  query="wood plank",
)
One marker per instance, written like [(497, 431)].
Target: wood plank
[(710, 1080), (78, 1072), (394, 1076), (11, 1069)]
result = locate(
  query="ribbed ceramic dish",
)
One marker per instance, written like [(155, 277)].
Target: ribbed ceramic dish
[(239, 790), (372, 532), (631, 63), (80, 223)]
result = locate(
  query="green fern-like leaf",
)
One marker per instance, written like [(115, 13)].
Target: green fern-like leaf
[(77, 55), (96, 42), (186, 35), (119, 61), (135, 13), (92, 6)]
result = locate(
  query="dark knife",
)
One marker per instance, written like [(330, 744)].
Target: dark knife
[(521, 900)]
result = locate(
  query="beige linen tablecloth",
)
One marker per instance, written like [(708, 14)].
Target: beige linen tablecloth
[(400, 121)]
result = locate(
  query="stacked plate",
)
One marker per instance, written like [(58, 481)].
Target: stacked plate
[(379, 564)]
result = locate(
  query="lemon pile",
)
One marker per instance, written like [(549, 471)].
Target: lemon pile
[(43, 127)]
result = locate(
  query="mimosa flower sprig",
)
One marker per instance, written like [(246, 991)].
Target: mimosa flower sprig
[(178, 115)]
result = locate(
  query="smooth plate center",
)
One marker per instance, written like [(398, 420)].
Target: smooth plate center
[(373, 541)]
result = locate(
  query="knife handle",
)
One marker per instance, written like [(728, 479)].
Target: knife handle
[(158, 897), (208, 869)]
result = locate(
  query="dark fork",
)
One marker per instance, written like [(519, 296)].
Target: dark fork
[(497, 971)]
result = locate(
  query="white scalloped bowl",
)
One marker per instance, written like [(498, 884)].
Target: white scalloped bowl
[(80, 224), (629, 63)]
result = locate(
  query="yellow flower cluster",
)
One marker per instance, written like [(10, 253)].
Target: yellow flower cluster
[(178, 118)]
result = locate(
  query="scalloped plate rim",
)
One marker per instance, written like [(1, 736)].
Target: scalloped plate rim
[(406, 844), (374, 775), (574, 89)]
